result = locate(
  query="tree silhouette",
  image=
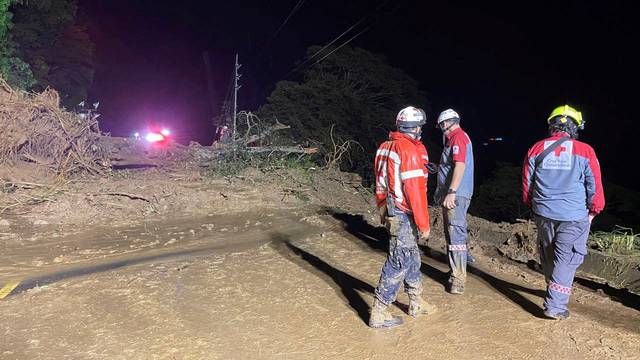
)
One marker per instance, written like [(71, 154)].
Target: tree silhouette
[(354, 91)]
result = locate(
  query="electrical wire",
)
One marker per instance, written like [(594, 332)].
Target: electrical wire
[(310, 58), (286, 20), (343, 44)]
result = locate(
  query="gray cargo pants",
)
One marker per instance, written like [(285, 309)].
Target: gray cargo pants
[(563, 246)]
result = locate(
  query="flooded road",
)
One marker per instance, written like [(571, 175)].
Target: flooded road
[(293, 284), (36, 256)]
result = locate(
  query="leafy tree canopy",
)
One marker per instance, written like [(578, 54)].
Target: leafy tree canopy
[(353, 90), (12, 68), (42, 46), (59, 51)]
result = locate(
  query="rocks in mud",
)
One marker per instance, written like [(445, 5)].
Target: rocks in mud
[(5, 223)]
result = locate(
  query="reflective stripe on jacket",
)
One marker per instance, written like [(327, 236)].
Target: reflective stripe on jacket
[(401, 176)]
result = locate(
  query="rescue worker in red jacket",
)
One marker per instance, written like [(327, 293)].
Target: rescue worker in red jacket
[(561, 181), (401, 196)]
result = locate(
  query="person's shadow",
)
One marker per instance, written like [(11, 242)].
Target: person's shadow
[(348, 285), (376, 238)]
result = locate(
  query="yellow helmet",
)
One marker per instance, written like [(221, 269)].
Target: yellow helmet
[(566, 111)]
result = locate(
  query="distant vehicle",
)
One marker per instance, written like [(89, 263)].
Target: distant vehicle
[(155, 136)]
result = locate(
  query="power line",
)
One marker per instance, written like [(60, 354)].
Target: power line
[(329, 44), (261, 52), (291, 13), (310, 58), (343, 44), (349, 29)]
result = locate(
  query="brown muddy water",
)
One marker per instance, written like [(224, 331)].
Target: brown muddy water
[(39, 255), (275, 285)]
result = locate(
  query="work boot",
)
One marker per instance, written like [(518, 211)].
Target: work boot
[(456, 287), (557, 316), (381, 318), (419, 306)]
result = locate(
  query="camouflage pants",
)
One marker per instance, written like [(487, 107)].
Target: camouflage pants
[(403, 261)]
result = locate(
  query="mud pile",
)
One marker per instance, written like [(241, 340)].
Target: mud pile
[(522, 243), (616, 270)]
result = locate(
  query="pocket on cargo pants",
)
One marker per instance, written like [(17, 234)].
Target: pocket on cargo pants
[(580, 245), (579, 252), (393, 226)]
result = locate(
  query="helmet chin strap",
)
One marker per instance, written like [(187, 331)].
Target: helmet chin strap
[(448, 127), (417, 135)]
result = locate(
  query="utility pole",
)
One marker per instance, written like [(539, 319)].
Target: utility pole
[(236, 87)]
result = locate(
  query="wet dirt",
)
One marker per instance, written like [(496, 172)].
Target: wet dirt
[(293, 284), (39, 254)]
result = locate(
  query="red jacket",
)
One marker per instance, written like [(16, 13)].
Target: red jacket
[(401, 174)]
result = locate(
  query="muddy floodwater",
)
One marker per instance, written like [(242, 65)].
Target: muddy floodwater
[(30, 252), (290, 284)]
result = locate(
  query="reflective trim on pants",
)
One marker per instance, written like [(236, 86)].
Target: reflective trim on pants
[(562, 246), (455, 230)]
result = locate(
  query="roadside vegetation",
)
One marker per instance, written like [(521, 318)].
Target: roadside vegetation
[(620, 241)]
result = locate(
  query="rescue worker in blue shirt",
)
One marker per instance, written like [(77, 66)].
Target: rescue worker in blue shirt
[(454, 192), (562, 183)]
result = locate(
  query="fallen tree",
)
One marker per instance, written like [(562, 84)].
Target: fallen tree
[(36, 130), (42, 146), (256, 131)]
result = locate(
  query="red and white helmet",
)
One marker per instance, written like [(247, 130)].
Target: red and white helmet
[(411, 117)]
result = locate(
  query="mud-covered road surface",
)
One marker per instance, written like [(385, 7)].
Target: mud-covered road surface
[(265, 284)]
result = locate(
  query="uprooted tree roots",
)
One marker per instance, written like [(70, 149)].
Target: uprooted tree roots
[(36, 131)]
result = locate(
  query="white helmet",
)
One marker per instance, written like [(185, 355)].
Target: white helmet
[(411, 117), (448, 114)]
